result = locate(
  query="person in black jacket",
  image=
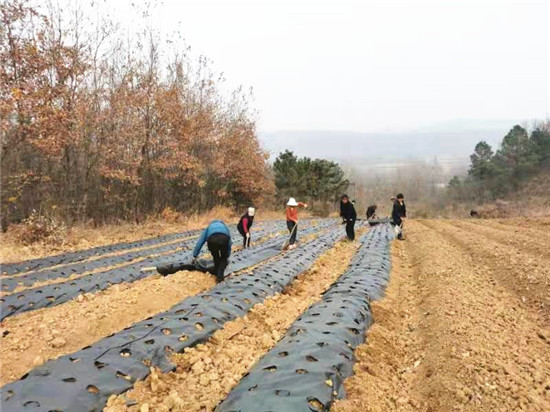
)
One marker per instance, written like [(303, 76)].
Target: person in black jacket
[(349, 216), (244, 225), (399, 213), (371, 212)]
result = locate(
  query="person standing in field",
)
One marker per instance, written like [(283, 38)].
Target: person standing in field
[(218, 240), (292, 220), (349, 216), (399, 213), (244, 225)]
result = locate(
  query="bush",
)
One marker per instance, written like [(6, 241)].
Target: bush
[(170, 215), (39, 227)]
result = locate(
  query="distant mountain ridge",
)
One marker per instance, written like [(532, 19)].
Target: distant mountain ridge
[(452, 147)]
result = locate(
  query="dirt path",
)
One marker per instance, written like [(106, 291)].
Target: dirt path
[(205, 374), (450, 336)]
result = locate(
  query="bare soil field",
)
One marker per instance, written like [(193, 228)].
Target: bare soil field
[(464, 326)]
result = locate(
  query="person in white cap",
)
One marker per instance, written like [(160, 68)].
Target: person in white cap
[(292, 220), (245, 223)]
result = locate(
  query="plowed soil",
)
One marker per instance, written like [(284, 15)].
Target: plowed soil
[(464, 325)]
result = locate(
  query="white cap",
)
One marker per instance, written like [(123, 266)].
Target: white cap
[(292, 202), (251, 211)]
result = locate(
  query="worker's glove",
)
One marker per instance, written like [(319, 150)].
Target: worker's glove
[(195, 261), (305, 206), (248, 235)]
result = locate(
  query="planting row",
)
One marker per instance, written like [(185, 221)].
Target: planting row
[(58, 293), (306, 369), (70, 257), (80, 255), (84, 380)]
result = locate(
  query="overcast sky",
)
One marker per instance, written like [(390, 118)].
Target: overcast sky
[(374, 65)]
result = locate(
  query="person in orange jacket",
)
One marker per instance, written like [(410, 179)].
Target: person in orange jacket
[(292, 220)]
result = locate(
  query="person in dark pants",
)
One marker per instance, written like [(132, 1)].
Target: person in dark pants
[(292, 220), (349, 216), (218, 240), (399, 212), (244, 225)]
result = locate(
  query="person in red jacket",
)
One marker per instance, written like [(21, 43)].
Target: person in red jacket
[(245, 223), (292, 220)]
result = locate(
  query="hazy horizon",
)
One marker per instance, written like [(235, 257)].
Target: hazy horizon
[(369, 66), (448, 143)]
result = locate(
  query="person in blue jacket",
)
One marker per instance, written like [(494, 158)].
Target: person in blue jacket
[(218, 240)]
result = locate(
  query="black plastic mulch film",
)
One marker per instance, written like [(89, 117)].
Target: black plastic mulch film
[(70, 257), (79, 255), (58, 293), (85, 379), (67, 270), (242, 259), (306, 369), (10, 283)]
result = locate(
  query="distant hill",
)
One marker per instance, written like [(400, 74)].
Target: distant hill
[(451, 143)]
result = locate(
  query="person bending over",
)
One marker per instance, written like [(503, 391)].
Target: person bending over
[(371, 212), (245, 223), (218, 240)]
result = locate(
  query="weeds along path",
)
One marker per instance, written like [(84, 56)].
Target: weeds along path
[(448, 336), (526, 275), (113, 364), (206, 373), (31, 338)]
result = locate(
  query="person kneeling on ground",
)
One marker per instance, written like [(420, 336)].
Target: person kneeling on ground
[(245, 223), (371, 212), (292, 220), (349, 216), (218, 240), (399, 213)]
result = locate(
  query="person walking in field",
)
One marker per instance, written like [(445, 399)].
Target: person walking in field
[(218, 240), (292, 220), (399, 213), (244, 225), (349, 216)]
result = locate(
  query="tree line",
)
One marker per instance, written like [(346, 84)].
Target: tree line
[(99, 124), (317, 181), (493, 174)]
